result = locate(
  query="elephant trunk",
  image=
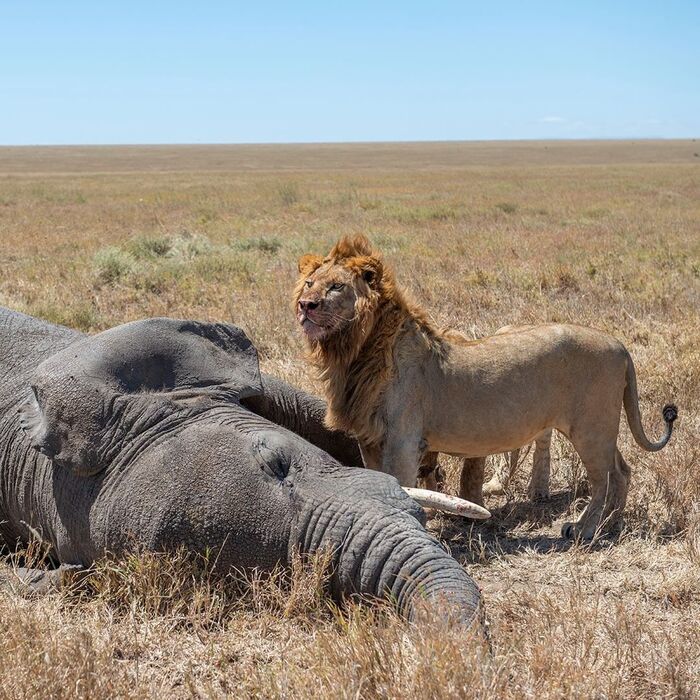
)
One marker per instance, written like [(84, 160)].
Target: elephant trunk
[(389, 555)]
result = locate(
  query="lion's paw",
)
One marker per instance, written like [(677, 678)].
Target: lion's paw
[(577, 531), (493, 488)]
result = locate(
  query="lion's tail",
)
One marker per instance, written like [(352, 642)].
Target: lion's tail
[(631, 402)]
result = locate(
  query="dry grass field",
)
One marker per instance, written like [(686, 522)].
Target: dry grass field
[(605, 234)]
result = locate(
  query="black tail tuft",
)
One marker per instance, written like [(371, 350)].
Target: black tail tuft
[(670, 412)]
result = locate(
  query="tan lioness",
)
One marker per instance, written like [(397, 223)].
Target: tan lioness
[(403, 388)]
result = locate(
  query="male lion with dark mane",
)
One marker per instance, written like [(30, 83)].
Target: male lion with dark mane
[(404, 388)]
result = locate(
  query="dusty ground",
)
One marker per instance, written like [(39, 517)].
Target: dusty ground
[(606, 234)]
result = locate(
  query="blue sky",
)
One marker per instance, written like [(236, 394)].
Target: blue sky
[(213, 72)]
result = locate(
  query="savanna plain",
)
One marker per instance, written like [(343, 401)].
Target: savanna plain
[(605, 234)]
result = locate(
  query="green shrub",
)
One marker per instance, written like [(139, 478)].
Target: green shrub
[(149, 247), (190, 245), (223, 267), (507, 207), (112, 264), (262, 243)]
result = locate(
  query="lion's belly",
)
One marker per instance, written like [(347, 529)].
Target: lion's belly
[(481, 443)]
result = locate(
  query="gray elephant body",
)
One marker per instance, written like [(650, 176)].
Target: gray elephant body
[(162, 433)]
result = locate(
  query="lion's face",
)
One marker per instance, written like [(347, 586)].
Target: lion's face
[(334, 293)]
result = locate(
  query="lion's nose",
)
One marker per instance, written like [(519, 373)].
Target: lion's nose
[(307, 305)]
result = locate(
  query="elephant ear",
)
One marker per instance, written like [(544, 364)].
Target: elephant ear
[(90, 398)]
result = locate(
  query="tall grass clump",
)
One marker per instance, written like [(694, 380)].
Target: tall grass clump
[(288, 193), (507, 207), (149, 247), (264, 244), (79, 315)]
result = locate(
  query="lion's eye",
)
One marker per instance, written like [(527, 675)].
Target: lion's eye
[(338, 285), (309, 283)]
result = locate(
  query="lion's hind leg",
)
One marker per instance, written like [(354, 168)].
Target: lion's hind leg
[(608, 475), (502, 475), (471, 480), (539, 480)]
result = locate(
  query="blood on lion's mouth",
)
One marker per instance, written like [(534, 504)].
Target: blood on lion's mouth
[(311, 328)]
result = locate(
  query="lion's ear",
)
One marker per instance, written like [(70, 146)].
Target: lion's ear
[(369, 268), (309, 263)]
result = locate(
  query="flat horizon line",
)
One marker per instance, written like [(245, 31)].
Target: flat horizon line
[(137, 144)]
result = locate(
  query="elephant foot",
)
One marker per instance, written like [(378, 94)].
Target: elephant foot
[(41, 581)]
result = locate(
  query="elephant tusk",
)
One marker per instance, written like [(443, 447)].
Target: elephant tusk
[(447, 504)]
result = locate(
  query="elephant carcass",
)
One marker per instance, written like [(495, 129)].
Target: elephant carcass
[(140, 436)]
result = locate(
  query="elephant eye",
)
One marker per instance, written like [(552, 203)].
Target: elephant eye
[(309, 283), (337, 286), (271, 452)]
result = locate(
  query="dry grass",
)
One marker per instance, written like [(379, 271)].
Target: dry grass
[(483, 235)]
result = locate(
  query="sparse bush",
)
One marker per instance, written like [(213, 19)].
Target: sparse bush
[(263, 243), (156, 279), (149, 247), (223, 267), (507, 207), (153, 264), (188, 246), (113, 264)]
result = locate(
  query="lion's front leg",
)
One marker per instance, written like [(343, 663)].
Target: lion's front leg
[(539, 481), (402, 456), (430, 474)]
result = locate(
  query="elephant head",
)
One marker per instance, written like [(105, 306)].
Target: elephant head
[(76, 414), (153, 422)]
